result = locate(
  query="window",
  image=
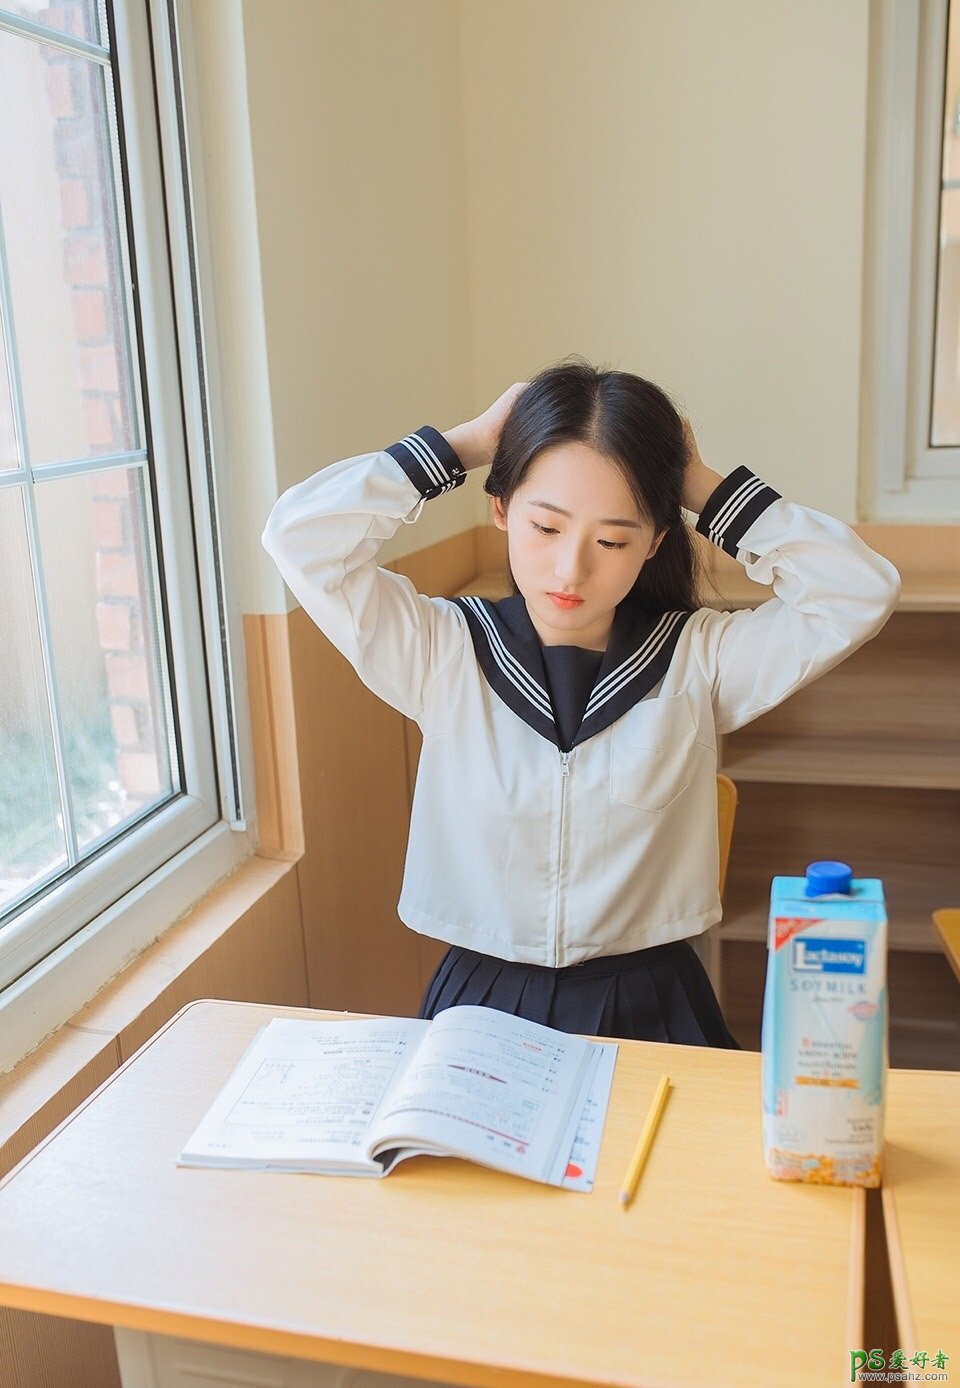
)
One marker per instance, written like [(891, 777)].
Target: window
[(945, 403), (116, 716), (911, 383)]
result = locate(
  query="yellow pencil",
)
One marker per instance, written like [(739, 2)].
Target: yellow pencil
[(645, 1142)]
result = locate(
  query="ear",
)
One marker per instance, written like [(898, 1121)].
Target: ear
[(498, 512), (657, 543)]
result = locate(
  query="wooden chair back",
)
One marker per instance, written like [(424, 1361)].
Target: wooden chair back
[(726, 813), (947, 923)]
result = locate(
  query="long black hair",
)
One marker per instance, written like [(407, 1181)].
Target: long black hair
[(632, 423)]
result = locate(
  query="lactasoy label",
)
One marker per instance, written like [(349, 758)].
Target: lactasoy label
[(824, 1046), (828, 956)]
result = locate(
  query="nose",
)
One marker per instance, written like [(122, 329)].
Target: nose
[(571, 563)]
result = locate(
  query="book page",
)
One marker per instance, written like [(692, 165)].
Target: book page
[(492, 1087), (305, 1092), (581, 1169)]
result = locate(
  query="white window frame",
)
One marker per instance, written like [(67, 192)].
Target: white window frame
[(902, 477), (60, 950)]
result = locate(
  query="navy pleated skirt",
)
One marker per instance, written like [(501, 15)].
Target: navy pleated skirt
[(658, 994)]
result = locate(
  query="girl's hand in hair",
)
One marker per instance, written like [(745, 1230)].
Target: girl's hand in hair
[(476, 442), (699, 481)]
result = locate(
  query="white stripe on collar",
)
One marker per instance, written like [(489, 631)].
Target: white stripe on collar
[(511, 667), (611, 684)]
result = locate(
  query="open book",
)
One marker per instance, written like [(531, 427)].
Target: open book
[(353, 1098)]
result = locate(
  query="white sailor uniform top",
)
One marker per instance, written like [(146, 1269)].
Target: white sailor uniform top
[(517, 848)]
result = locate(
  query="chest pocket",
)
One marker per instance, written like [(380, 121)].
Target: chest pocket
[(651, 753)]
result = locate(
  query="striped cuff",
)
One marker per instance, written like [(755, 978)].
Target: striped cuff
[(733, 507), (429, 461)]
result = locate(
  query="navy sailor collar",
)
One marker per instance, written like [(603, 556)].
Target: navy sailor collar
[(509, 653)]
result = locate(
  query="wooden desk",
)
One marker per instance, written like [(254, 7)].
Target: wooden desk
[(921, 1209), (715, 1275)]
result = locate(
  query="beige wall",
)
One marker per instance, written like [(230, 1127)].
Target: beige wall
[(677, 189), (452, 193), (357, 154)]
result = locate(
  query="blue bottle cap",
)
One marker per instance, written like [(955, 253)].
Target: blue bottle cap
[(825, 877)]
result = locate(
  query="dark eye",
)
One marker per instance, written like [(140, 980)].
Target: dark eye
[(544, 529), (613, 544)]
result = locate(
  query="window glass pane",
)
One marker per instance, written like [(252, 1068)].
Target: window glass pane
[(68, 287), (98, 569), (32, 841), (82, 19), (945, 420)]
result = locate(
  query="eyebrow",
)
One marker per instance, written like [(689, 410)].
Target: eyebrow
[(549, 506)]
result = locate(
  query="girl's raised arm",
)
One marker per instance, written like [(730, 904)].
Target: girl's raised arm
[(324, 535), (832, 593)]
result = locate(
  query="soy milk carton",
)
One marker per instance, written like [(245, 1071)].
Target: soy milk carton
[(824, 1036)]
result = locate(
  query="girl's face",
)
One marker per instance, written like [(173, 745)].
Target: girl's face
[(573, 527)]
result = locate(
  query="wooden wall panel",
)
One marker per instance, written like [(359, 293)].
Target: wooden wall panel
[(444, 567), (273, 728), (413, 741), (429, 950), (52, 1352), (491, 546), (353, 787)]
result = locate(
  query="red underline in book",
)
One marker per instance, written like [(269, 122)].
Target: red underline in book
[(454, 1117), (482, 1073)]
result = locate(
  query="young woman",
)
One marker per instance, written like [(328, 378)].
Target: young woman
[(563, 835)]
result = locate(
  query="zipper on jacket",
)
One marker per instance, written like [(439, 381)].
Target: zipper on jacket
[(564, 776)]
